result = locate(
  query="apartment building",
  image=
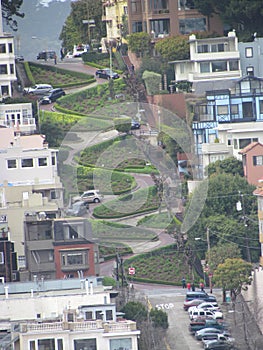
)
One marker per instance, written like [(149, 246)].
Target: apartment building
[(64, 314), (29, 183), (168, 18), (18, 116)]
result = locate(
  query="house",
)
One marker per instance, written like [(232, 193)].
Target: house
[(29, 183), (169, 18), (214, 63), (59, 248), (113, 13), (251, 57), (64, 314), (229, 117), (259, 193), (252, 158)]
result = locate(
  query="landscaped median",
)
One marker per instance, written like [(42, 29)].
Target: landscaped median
[(165, 265)]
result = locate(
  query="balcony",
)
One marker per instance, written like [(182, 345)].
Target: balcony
[(51, 327)]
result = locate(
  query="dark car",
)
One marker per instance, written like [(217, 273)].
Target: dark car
[(200, 295), (135, 124), (106, 74), (46, 54), (53, 95)]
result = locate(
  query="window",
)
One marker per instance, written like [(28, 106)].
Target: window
[(70, 259), (234, 109), (11, 163), (222, 110), (3, 68), (202, 48), (120, 344), (2, 48), (249, 52), (99, 315), (60, 344), (261, 106), (217, 47), (160, 27), (250, 70), (2, 258), (136, 27), (27, 163), (219, 66), (53, 160), (204, 67), (46, 344), (88, 315), (74, 259), (190, 25), (11, 69), (109, 315), (42, 161), (135, 6), (245, 142), (247, 109), (32, 345), (233, 65), (257, 160), (10, 47), (87, 344)]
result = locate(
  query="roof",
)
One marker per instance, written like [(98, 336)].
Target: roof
[(8, 139), (249, 147)]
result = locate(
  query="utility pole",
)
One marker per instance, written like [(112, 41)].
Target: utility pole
[(241, 206)]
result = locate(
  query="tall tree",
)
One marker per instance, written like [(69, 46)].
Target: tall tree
[(228, 166), (11, 8), (245, 16), (174, 48)]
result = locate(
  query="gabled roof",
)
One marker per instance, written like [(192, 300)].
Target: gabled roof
[(249, 147)]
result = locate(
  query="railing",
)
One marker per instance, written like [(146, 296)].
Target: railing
[(108, 327)]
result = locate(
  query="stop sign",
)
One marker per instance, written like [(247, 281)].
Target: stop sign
[(131, 270)]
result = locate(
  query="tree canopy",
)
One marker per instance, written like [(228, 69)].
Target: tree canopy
[(75, 31), (228, 166), (140, 43), (11, 9), (245, 16), (233, 275), (174, 48)]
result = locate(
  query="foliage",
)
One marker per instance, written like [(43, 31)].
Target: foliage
[(152, 81), (233, 275), (228, 166), (95, 57), (75, 31), (29, 73), (11, 9), (108, 281), (122, 124), (135, 311), (174, 48), (219, 253), (140, 43), (159, 318), (245, 16)]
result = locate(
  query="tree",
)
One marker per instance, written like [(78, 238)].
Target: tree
[(140, 43), (228, 166), (75, 29), (245, 16), (174, 48), (10, 9), (135, 311), (159, 318), (233, 275), (219, 253)]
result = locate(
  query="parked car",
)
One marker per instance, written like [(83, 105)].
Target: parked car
[(218, 344), (200, 295), (192, 303), (106, 73), (19, 58), (209, 306), (198, 324), (92, 196), (78, 209), (203, 332), (38, 89), (201, 313), (213, 336), (53, 95), (135, 124), (46, 54)]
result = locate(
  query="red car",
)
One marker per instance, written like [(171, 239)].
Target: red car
[(194, 302)]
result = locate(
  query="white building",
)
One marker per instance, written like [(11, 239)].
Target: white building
[(7, 61), (18, 116), (58, 315), (29, 182), (214, 63)]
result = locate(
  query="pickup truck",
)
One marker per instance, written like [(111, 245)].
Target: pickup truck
[(198, 324)]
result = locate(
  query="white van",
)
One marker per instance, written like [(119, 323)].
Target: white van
[(197, 313)]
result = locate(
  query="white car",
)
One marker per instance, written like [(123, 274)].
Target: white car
[(38, 89), (205, 306), (92, 196), (199, 313)]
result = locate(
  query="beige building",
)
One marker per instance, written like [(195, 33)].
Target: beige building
[(29, 183)]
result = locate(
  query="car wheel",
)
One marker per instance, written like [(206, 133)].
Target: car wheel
[(49, 101), (96, 200)]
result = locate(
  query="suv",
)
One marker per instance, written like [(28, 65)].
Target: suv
[(38, 89), (46, 54), (53, 95), (92, 196)]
